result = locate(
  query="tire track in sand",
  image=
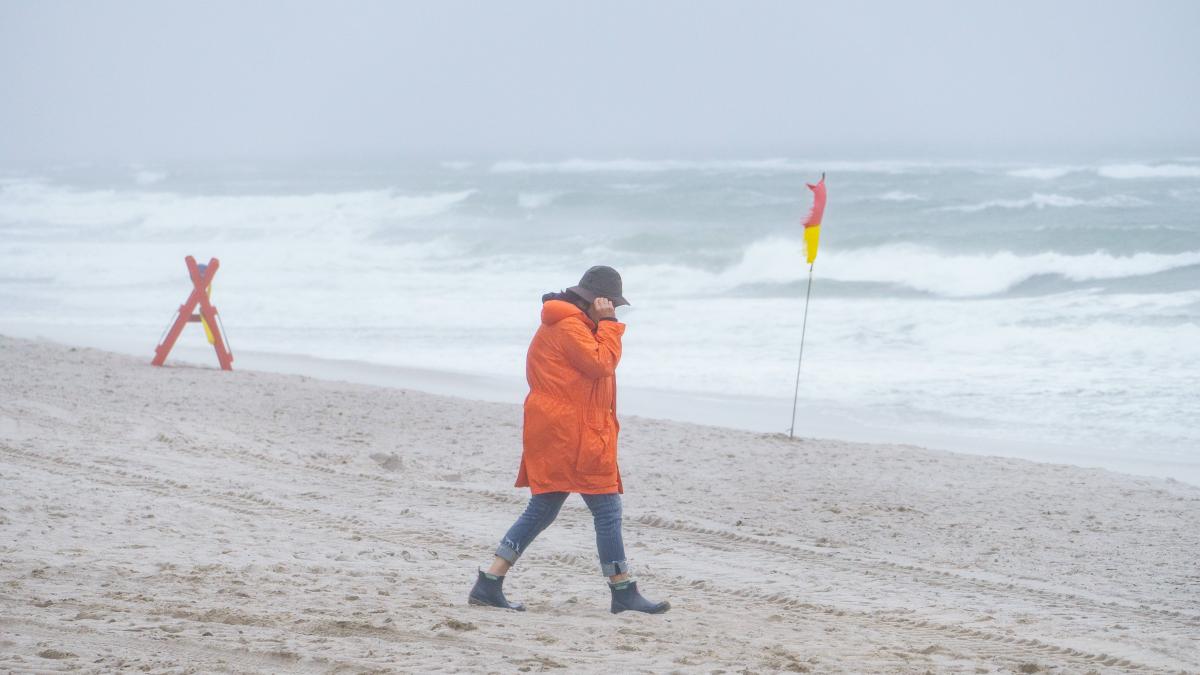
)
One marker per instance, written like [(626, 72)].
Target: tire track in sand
[(877, 567), (246, 659), (207, 656), (236, 501), (899, 572), (970, 640), (973, 641)]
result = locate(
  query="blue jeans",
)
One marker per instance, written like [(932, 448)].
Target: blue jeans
[(543, 509)]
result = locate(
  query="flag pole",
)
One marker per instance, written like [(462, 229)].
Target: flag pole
[(800, 361)]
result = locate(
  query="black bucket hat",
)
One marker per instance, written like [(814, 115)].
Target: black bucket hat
[(600, 281)]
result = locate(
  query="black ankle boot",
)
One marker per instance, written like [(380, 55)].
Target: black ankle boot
[(625, 596), (488, 591)]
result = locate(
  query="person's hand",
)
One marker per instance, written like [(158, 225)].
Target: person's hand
[(603, 308)]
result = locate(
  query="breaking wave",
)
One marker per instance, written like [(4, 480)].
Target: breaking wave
[(1116, 171), (640, 166), (35, 206), (922, 268), (1043, 172), (579, 165), (803, 165), (1126, 171), (536, 200), (899, 196), (1041, 201)]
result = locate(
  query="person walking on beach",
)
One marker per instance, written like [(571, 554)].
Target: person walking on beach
[(570, 435)]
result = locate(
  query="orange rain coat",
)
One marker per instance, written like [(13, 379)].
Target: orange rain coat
[(570, 434)]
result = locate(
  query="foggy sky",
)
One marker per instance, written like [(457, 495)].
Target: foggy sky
[(166, 80)]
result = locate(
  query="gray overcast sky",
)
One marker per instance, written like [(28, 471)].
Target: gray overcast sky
[(161, 80)]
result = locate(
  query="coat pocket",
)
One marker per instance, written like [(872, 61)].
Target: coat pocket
[(597, 452)]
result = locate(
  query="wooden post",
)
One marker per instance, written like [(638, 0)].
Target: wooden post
[(199, 296)]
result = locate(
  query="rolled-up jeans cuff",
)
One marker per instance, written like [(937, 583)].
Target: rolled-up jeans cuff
[(612, 569), (507, 552)]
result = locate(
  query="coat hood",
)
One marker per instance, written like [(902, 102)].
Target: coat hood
[(554, 311)]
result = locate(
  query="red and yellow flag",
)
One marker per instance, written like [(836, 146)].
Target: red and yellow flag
[(812, 224)]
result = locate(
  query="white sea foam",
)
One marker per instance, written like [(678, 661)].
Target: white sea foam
[(149, 176), (809, 165), (536, 200), (640, 166), (774, 261), (1127, 171), (1117, 171), (1186, 195), (1041, 201), (900, 196), (580, 165), (1043, 172), (966, 275), (149, 213)]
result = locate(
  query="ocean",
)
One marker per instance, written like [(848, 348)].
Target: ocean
[(1037, 305)]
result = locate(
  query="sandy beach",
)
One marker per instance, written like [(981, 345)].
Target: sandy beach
[(185, 519)]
